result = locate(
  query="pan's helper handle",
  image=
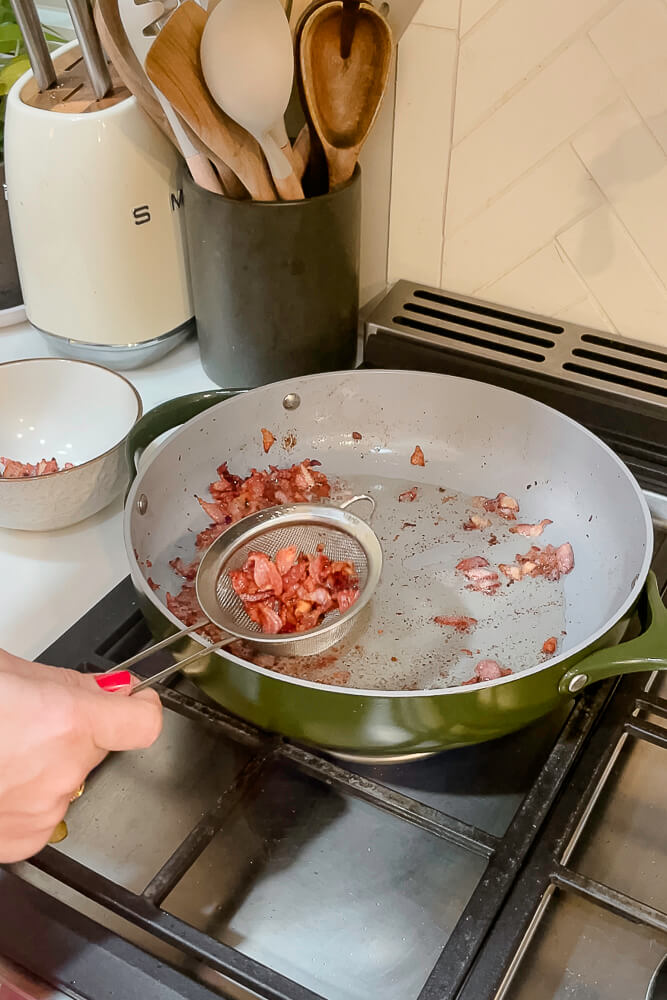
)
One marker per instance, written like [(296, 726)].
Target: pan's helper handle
[(167, 415), (647, 652)]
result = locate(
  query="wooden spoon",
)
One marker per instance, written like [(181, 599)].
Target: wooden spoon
[(247, 60), (343, 95), (173, 66), (119, 50)]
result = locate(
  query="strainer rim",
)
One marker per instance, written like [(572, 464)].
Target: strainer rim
[(291, 513)]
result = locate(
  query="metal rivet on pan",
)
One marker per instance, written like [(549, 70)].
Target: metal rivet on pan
[(578, 682), (292, 401), (142, 504)]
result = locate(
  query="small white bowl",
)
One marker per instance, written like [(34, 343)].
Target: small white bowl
[(73, 411)]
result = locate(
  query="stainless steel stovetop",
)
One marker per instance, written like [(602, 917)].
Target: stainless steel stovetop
[(228, 862)]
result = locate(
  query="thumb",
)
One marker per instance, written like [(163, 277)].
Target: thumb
[(122, 723)]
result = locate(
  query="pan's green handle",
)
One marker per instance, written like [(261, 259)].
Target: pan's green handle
[(647, 652), (167, 415)]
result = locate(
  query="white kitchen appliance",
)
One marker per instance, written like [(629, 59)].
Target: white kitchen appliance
[(95, 207)]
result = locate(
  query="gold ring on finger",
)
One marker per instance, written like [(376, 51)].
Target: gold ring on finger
[(79, 792)]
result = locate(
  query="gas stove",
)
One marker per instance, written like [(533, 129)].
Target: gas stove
[(229, 862)]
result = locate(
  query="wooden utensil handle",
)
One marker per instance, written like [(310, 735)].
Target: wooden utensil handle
[(301, 151), (289, 188), (287, 183), (203, 173)]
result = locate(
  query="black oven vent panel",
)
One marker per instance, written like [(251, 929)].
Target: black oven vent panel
[(420, 324)]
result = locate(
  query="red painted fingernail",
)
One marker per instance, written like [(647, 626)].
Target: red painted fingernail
[(114, 682)]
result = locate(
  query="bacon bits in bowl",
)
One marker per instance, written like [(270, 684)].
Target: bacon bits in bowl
[(63, 427)]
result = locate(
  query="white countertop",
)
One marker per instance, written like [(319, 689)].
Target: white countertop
[(50, 579)]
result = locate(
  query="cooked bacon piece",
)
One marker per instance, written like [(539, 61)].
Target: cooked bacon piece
[(502, 504), (510, 570), (215, 512), (565, 558), (209, 535), (346, 599), (549, 562), (482, 579), (297, 598), (476, 522), (187, 571), (417, 457), (408, 496), (268, 619), (460, 622), (264, 572), (530, 530), (285, 559), (235, 497), (549, 645), (24, 470), (474, 562), (356, 436), (268, 439), (488, 670)]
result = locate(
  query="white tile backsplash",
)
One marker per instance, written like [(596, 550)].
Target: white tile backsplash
[(633, 41), (552, 105), (519, 222), (587, 313), (550, 185), (472, 11), (422, 127), (616, 271), (438, 14), (495, 57), (630, 167), (545, 283)]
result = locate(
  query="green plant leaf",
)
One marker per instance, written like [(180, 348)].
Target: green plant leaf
[(10, 33), (10, 73)]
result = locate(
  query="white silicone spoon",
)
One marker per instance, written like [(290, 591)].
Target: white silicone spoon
[(248, 63)]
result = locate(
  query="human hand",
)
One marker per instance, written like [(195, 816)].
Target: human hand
[(56, 725)]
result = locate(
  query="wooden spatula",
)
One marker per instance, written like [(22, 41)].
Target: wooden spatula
[(173, 66), (119, 50), (343, 95)]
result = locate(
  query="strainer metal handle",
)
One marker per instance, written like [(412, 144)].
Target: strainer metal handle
[(173, 668), (361, 496)]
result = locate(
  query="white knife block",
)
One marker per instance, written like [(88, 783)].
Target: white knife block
[(95, 210)]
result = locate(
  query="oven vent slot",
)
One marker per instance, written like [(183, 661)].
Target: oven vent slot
[(622, 363), (616, 379), (471, 324), (485, 309), (640, 351), (466, 338)]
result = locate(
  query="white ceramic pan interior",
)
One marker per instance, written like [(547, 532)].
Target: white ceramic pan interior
[(477, 439)]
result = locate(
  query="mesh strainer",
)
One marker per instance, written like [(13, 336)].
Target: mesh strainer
[(342, 535)]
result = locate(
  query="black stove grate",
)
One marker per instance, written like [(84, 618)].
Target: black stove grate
[(522, 863)]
